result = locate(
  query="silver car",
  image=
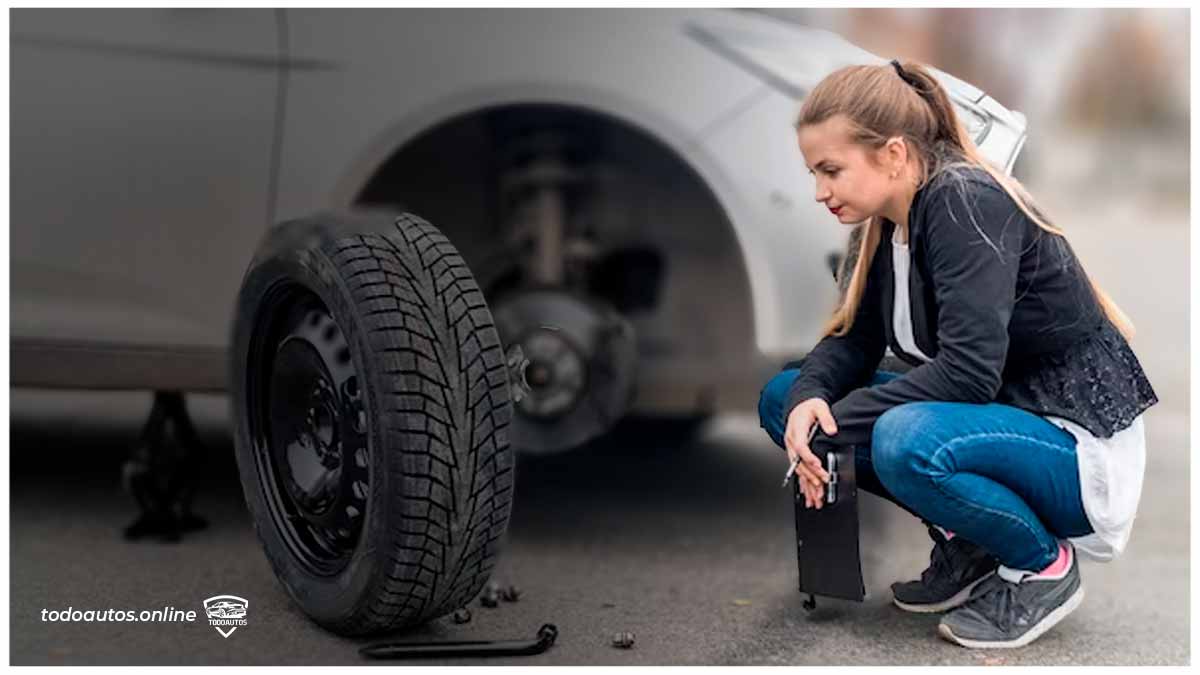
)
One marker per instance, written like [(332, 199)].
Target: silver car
[(623, 186)]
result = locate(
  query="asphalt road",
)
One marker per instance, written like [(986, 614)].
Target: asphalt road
[(689, 545)]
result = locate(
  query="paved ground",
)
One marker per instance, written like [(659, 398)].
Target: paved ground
[(689, 546)]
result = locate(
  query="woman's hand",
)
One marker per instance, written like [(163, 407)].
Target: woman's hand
[(809, 472)]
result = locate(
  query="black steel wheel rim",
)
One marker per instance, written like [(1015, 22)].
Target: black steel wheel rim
[(309, 428)]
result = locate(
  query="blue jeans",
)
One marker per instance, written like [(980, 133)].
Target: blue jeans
[(1001, 477)]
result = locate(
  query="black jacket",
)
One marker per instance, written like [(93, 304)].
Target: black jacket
[(1009, 317)]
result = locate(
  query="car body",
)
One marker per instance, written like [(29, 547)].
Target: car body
[(153, 148)]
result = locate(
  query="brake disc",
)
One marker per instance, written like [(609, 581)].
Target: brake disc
[(580, 374)]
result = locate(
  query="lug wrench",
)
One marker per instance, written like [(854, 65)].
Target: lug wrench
[(416, 650)]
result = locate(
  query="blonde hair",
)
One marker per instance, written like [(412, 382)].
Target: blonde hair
[(878, 103)]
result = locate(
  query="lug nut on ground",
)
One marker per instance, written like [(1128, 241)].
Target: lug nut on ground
[(623, 640), (491, 596)]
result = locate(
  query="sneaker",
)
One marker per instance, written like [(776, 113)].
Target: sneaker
[(956, 567), (1014, 608)]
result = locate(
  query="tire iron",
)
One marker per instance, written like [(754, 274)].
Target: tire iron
[(546, 636)]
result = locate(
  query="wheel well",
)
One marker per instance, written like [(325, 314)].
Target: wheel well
[(628, 189)]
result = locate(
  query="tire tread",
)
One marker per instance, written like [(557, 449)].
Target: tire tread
[(447, 406)]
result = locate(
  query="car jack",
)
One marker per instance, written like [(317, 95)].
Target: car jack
[(161, 471), (827, 538), (414, 650)]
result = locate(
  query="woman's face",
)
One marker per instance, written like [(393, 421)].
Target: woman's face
[(848, 183)]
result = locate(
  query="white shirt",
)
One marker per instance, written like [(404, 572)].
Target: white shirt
[(901, 313), (1110, 469)]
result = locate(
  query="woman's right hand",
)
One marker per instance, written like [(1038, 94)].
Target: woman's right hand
[(809, 472)]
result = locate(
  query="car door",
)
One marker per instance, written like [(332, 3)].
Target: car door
[(141, 144)]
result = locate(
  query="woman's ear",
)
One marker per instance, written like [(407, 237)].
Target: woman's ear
[(897, 153)]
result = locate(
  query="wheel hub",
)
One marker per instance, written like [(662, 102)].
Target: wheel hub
[(309, 442), (581, 357), (557, 374)]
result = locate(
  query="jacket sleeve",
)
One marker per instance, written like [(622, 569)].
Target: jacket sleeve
[(838, 364), (973, 244)]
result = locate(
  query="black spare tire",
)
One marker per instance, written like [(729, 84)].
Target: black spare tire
[(371, 408)]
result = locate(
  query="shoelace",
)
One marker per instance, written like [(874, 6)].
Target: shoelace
[(938, 563), (997, 601), (939, 559), (942, 561)]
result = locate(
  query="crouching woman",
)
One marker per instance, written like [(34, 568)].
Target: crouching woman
[(1017, 436)]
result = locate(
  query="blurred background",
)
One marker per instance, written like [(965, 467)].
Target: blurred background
[(1106, 93), (676, 528)]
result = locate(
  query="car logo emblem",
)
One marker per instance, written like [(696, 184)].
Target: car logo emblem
[(225, 613)]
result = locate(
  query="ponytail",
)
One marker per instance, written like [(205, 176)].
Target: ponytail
[(928, 122)]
